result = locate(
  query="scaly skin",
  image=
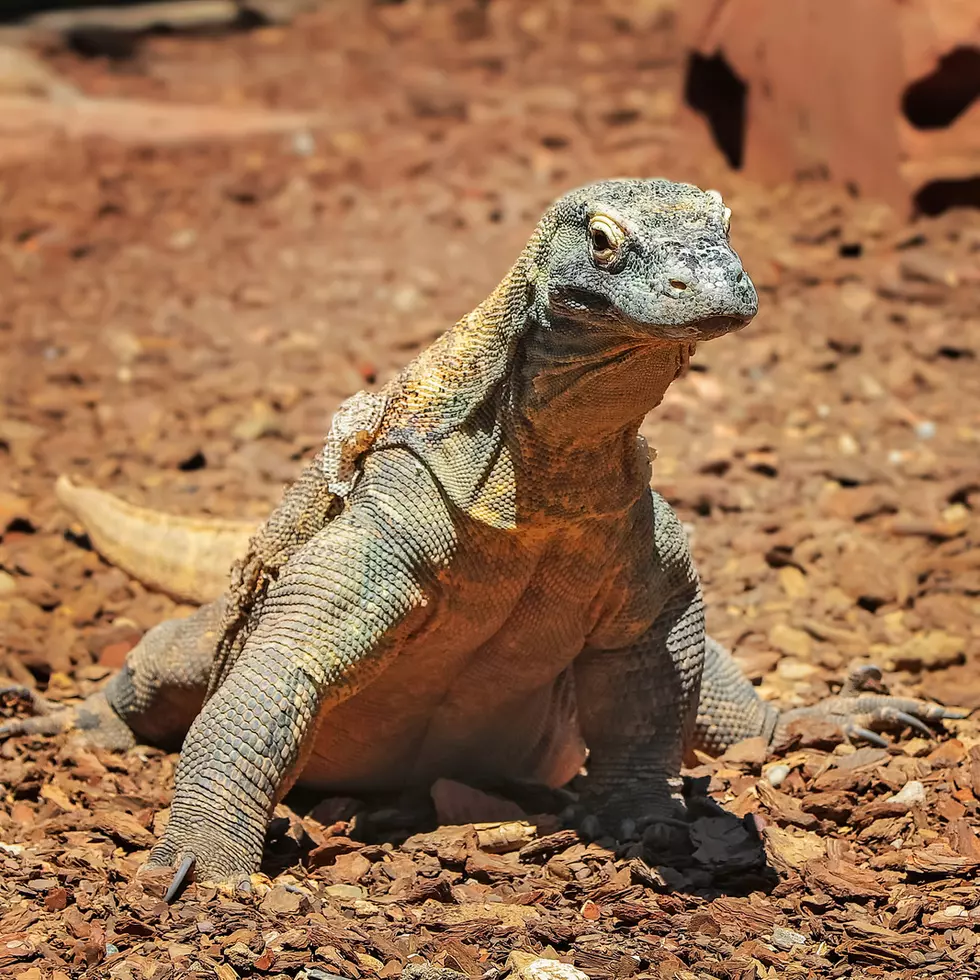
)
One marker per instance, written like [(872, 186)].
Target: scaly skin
[(474, 579)]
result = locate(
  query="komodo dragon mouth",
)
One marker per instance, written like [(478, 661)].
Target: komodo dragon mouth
[(712, 327)]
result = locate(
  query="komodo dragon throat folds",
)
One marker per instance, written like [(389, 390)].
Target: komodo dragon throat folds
[(472, 578)]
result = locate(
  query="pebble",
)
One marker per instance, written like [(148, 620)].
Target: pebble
[(791, 640), (783, 938), (794, 670), (349, 892), (304, 145), (525, 966), (925, 429), (911, 794), (776, 776)]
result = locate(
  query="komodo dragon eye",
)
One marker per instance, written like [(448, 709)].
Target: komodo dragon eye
[(606, 237)]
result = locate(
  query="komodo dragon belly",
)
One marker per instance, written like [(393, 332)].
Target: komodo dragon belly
[(486, 690)]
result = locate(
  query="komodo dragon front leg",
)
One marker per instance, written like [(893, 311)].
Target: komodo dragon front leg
[(638, 700), (645, 705), (337, 615)]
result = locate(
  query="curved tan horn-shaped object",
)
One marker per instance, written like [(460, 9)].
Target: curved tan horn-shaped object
[(189, 558)]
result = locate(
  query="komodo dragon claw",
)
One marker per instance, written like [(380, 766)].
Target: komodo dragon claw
[(233, 887), (187, 862)]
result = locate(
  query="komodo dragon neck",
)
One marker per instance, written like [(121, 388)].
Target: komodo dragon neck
[(511, 390)]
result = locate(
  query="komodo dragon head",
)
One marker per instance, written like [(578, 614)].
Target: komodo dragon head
[(650, 258), (600, 312)]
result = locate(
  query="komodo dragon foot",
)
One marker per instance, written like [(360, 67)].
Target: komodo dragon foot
[(93, 719), (863, 708), (657, 812)]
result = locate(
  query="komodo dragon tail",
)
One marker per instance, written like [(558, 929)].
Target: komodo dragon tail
[(189, 558)]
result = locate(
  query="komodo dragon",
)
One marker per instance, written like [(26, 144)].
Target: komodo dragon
[(473, 578)]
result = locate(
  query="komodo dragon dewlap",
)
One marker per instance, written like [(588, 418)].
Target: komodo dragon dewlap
[(473, 579)]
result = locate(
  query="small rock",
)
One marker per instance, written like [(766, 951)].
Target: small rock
[(915, 747), (795, 670), (239, 956), (911, 794), (955, 912), (925, 429), (261, 420), (182, 239), (776, 775), (927, 266), (793, 582), (748, 751), (783, 938), (426, 971), (790, 640), (930, 650), (282, 901), (303, 143), (56, 899), (527, 966), (346, 893)]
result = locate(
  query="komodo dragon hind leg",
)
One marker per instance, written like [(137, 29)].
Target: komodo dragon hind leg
[(152, 699), (94, 716)]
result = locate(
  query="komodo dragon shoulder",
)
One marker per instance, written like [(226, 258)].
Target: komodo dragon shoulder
[(473, 578)]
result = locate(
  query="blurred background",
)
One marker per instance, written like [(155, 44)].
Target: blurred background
[(218, 218)]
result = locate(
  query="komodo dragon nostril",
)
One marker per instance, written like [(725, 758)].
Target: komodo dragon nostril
[(678, 284)]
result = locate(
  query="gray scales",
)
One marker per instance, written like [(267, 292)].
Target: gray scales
[(473, 578)]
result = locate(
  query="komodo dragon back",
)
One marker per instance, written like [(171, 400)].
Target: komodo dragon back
[(191, 558)]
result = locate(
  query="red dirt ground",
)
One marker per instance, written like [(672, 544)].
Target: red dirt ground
[(177, 326)]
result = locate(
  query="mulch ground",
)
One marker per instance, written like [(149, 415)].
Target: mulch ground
[(177, 326)]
